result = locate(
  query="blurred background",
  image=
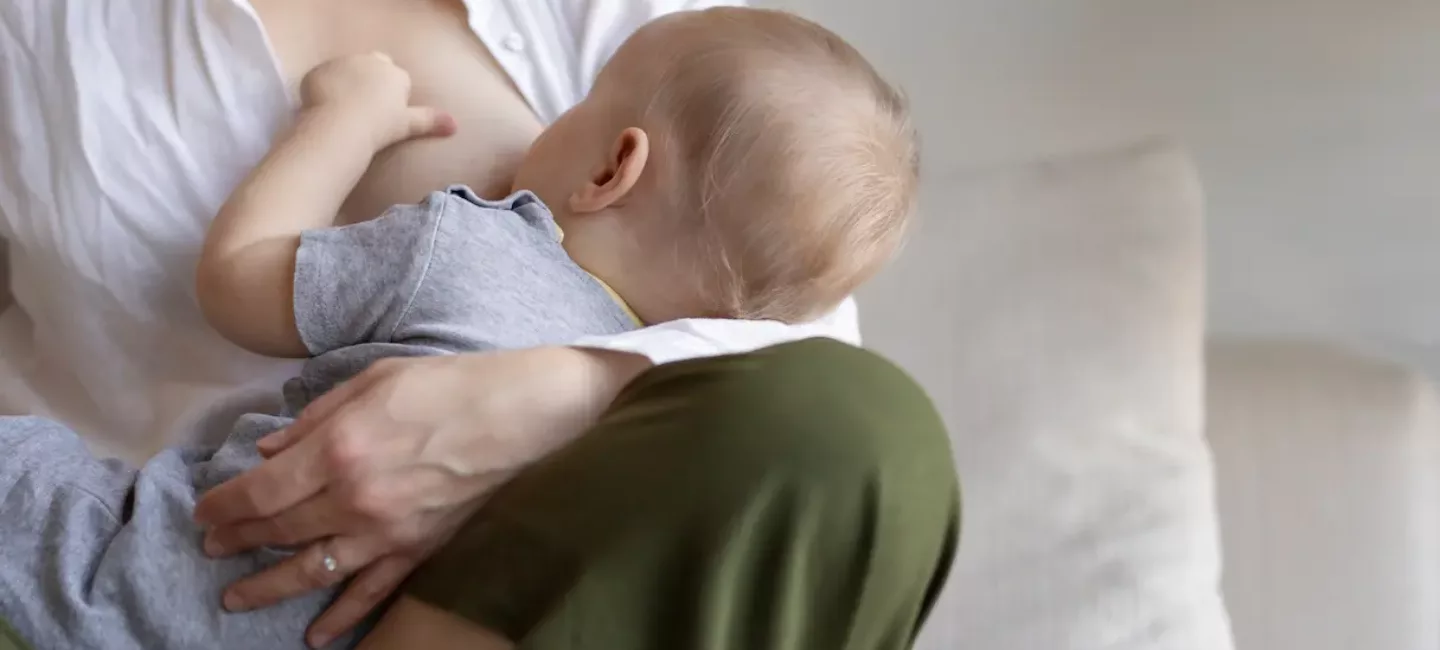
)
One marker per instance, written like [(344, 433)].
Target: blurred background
[(1315, 125), (1191, 382)]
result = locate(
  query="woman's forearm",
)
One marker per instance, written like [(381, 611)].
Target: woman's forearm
[(558, 394), (244, 282), (598, 376)]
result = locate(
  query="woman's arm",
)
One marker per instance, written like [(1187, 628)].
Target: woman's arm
[(354, 107), (386, 467)]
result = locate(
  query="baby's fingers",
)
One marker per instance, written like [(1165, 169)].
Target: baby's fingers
[(427, 122)]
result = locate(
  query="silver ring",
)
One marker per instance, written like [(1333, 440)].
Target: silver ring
[(328, 561)]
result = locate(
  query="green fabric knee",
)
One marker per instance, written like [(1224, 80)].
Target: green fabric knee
[(9, 639), (803, 496)]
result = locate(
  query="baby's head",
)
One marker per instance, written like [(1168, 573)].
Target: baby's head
[(731, 163)]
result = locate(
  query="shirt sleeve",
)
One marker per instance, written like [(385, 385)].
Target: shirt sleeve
[(353, 283), (696, 338)]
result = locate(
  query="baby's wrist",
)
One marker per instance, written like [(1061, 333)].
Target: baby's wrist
[(351, 119)]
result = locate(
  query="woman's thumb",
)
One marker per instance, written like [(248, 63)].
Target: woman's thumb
[(427, 122)]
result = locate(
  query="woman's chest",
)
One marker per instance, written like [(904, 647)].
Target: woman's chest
[(450, 68)]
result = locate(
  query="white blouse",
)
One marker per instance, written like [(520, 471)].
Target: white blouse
[(123, 127)]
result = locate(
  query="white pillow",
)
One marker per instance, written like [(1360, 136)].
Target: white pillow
[(1055, 312), (1329, 467)]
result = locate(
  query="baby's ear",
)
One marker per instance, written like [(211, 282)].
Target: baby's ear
[(611, 182)]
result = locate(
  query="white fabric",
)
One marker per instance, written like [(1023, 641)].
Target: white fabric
[(123, 125), (1055, 313), (1328, 468)]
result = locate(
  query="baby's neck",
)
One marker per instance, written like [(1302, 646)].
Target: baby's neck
[(598, 254), (604, 249)]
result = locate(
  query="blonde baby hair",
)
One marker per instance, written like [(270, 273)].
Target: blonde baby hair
[(796, 164)]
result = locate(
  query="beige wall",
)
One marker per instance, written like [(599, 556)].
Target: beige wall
[(1316, 124)]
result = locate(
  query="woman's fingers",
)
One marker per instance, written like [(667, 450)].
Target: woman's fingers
[(273, 486), (315, 518), (370, 588), (317, 566), (315, 415)]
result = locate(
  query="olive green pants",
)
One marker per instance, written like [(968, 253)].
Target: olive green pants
[(798, 498), (9, 640), (802, 497)]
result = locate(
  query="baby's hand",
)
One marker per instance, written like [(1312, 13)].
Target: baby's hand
[(373, 90)]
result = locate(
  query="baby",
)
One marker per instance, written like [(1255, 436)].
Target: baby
[(727, 164)]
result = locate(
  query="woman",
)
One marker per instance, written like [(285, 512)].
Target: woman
[(799, 496)]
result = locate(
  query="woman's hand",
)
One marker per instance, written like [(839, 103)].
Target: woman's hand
[(380, 472)]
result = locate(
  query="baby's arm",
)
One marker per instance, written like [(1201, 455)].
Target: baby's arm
[(245, 279), (354, 107)]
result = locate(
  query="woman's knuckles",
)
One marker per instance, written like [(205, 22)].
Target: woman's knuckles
[(372, 502), (347, 449)]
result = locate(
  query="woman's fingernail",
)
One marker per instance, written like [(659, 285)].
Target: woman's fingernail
[(318, 640), (213, 547), (232, 602)]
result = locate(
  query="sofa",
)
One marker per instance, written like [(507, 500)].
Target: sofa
[(1128, 483)]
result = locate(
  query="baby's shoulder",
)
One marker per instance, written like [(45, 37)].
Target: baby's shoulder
[(497, 277), (514, 239), (518, 219)]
